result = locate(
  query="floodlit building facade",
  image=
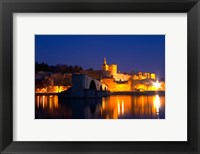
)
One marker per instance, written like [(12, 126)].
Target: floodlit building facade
[(142, 81)]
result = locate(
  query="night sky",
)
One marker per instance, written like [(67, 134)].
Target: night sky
[(144, 53)]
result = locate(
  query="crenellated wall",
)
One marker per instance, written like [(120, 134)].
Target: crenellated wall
[(116, 86)]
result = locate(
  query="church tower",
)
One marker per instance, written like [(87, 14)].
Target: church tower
[(105, 66)]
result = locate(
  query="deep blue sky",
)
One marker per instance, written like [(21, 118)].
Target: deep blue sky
[(130, 52)]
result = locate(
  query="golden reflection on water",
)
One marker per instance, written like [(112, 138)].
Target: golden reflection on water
[(123, 106), (157, 105), (113, 107), (47, 102)]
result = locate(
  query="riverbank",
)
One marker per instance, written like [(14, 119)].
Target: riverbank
[(107, 93), (137, 93), (46, 93)]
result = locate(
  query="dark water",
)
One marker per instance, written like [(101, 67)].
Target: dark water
[(113, 107)]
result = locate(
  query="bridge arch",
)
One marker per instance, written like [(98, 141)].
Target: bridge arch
[(93, 85)]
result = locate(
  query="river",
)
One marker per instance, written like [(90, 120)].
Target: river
[(113, 107)]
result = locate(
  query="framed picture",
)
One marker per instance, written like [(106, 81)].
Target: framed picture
[(99, 76), (82, 89)]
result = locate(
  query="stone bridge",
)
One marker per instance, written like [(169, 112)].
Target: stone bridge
[(82, 81), (84, 86)]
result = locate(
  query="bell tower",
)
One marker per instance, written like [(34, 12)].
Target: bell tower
[(105, 66), (104, 61)]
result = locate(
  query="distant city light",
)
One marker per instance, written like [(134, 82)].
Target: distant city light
[(156, 84)]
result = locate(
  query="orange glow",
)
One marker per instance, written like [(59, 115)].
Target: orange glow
[(141, 106), (122, 107), (52, 89), (38, 101), (116, 106), (55, 101), (50, 101), (113, 107), (133, 85), (113, 86), (103, 102), (45, 101)]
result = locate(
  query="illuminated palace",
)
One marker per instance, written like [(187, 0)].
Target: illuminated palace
[(142, 81), (109, 77)]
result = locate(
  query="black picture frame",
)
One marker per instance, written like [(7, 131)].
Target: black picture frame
[(8, 7)]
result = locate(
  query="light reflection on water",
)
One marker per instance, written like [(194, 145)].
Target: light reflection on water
[(113, 107)]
